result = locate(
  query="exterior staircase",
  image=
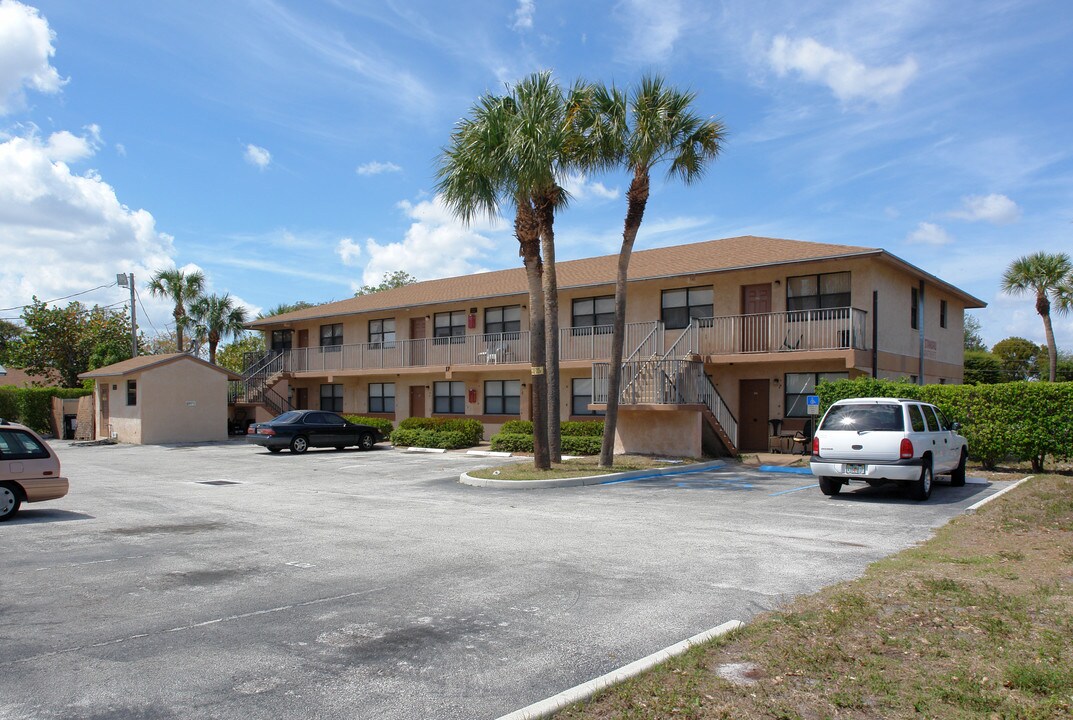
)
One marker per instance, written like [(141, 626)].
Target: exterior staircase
[(261, 373)]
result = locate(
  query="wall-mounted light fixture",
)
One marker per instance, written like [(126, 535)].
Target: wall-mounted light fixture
[(778, 282)]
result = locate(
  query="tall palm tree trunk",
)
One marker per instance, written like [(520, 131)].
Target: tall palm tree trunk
[(527, 230), (179, 319), (551, 328), (1043, 307), (637, 199)]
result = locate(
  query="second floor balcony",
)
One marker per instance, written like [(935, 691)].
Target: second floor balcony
[(796, 331)]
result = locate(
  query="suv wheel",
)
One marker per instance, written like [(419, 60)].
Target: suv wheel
[(921, 489), (10, 500), (957, 476), (830, 486)]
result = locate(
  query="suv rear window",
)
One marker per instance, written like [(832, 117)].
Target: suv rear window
[(864, 418), (19, 445)]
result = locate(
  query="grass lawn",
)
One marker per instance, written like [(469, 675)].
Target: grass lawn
[(975, 623), (580, 467)]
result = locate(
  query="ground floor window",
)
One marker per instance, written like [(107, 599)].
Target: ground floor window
[(800, 385), (581, 396), (449, 397), (331, 398), (132, 392), (382, 397), (502, 397)]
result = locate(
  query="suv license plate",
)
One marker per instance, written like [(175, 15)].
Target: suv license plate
[(855, 469)]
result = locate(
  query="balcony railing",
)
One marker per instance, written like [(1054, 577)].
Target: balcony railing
[(790, 331)]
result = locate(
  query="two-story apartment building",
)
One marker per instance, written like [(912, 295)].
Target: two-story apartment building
[(728, 335)]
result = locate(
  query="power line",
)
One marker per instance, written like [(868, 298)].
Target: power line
[(99, 287), (146, 314)]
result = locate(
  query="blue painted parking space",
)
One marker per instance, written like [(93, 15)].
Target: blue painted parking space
[(734, 479)]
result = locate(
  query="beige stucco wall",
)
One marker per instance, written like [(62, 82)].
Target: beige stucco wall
[(124, 421), (659, 431)]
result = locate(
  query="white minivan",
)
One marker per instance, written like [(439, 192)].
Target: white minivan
[(878, 440)]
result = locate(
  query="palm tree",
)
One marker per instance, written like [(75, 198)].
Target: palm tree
[(655, 124), (183, 290), (216, 317), (478, 172), (1049, 276)]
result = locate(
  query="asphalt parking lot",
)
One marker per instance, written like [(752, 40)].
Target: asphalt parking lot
[(221, 581)]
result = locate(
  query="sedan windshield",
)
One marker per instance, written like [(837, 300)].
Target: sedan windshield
[(864, 418)]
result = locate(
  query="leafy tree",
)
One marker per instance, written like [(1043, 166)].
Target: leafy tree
[(232, 356), (1018, 357), (183, 290), (982, 368), (391, 280), (162, 344), (61, 342), (1049, 276), (1064, 371), (284, 308), (656, 123), (215, 317), (974, 339), (10, 333)]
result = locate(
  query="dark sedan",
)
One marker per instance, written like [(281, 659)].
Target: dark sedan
[(300, 430)]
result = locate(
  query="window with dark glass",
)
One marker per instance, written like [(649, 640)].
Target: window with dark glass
[(593, 312), (382, 397), (678, 307), (817, 292), (331, 335), (503, 319), (581, 396), (20, 445), (382, 332), (914, 307), (449, 396), (281, 339), (798, 386), (331, 398), (132, 392), (502, 397), (942, 313), (450, 325)]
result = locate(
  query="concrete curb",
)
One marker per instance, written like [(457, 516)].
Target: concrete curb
[(467, 479), (555, 703), (977, 505)]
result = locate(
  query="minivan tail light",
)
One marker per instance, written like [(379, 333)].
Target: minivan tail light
[(905, 452), (815, 446)]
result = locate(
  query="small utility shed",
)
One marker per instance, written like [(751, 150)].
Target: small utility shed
[(154, 399)]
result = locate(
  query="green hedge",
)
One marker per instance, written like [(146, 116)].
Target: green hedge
[(382, 424), (471, 430), (421, 437), (33, 406), (576, 428), (1018, 420), (522, 442), (517, 427)]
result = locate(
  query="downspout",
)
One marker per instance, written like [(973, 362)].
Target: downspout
[(920, 325), (875, 334)]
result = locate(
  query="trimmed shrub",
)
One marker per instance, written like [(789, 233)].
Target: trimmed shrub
[(384, 425), (582, 428), (472, 430), (421, 437), (512, 442), (517, 427), (32, 407), (581, 444)]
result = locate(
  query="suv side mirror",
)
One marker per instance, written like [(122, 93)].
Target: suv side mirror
[(955, 426)]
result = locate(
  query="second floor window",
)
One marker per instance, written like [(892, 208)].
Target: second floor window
[(680, 306), (281, 339), (816, 292), (503, 319), (382, 331), (331, 335), (449, 324), (449, 397), (382, 397), (593, 312)]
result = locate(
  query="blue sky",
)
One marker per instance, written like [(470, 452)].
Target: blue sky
[(288, 148)]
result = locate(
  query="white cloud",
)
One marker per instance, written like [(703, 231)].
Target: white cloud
[(65, 146), (581, 188), (258, 156), (927, 233), (523, 15), (376, 167), (25, 51), (994, 208), (62, 233), (348, 250), (121, 149), (436, 245), (654, 27), (847, 77)]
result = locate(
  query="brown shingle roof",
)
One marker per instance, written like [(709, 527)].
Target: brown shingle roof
[(710, 256), (143, 362)]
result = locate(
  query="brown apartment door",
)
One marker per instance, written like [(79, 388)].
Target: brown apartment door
[(755, 307), (417, 345), (753, 415), (417, 401), (303, 338), (301, 398)]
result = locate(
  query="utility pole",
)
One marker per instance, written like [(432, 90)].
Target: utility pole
[(124, 280)]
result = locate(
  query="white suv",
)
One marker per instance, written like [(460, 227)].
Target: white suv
[(29, 469), (877, 440)]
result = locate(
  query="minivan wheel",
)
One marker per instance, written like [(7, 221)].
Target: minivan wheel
[(957, 476), (299, 444), (921, 489), (830, 486), (10, 500)]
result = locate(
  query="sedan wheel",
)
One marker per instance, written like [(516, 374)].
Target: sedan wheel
[(9, 502), (299, 444), (366, 442), (274, 449)]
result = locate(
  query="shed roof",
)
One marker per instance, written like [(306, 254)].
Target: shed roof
[(145, 362)]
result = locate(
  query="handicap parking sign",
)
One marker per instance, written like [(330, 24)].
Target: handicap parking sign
[(812, 404)]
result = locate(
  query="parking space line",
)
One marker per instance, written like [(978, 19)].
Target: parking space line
[(656, 475), (784, 492)]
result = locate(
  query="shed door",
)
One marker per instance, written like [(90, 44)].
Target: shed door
[(104, 406)]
